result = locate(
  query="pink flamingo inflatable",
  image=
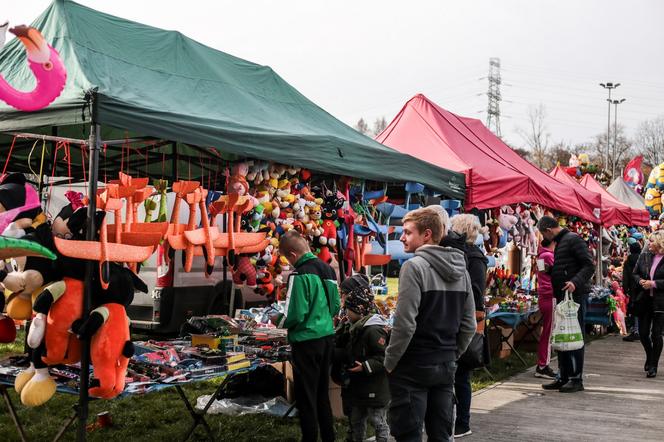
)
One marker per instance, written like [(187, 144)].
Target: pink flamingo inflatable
[(45, 64)]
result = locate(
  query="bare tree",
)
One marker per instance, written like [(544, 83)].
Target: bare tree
[(379, 125), (619, 151), (362, 127), (559, 153), (523, 153), (649, 140), (536, 136)]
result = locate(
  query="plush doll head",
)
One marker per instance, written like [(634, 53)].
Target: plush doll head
[(241, 169), (277, 171), (331, 205), (19, 202), (123, 283), (238, 184)]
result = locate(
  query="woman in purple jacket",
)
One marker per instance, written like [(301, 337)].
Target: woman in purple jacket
[(547, 304)]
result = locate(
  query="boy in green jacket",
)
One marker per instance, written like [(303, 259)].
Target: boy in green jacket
[(312, 301)]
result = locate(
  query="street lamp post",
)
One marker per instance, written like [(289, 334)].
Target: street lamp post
[(615, 132), (608, 86)]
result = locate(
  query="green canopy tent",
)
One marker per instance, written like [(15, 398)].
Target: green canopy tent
[(161, 84)]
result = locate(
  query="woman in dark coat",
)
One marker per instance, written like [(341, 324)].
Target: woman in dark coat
[(649, 275), (464, 232), (631, 289)]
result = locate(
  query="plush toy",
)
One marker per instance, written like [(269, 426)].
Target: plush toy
[(276, 171), (258, 172), (653, 200), (49, 340), (20, 208), (108, 328), (244, 272), (328, 237)]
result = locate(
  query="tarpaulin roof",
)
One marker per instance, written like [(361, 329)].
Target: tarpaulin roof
[(163, 84), (612, 214), (495, 174), (637, 217), (626, 195)]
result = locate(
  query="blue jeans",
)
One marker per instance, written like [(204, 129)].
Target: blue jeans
[(422, 395), (463, 392)]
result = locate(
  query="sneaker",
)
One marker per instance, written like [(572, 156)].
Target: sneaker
[(631, 337), (572, 387), (555, 385), (652, 372), (462, 432), (545, 372)]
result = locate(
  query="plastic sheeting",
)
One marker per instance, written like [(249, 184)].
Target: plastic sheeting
[(246, 405)]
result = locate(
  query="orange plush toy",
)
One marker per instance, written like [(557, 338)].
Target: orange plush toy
[(108, 328)]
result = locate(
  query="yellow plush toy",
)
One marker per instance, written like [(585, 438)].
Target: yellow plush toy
[(653, 201)]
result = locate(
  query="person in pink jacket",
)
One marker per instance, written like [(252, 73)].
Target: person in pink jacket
[(547, 305)]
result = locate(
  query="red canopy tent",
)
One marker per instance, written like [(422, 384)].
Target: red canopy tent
[(495, 174), (611, 214), (635, 217)]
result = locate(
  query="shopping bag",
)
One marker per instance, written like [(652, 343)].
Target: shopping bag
[(567, 334)]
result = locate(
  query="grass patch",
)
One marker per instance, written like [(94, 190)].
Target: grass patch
[(14, 348)]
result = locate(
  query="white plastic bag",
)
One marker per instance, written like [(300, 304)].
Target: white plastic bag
[(567, 334)]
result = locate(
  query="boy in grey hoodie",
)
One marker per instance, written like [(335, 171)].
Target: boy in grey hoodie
[(434, 324)]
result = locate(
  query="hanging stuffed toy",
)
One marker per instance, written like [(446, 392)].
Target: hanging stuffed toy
[(46, 66), (244, 272), (108, 328), (20, 208)]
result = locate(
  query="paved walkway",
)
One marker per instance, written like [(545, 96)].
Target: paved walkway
[(619, 403)]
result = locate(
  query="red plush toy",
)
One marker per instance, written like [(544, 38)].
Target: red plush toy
[(7, 330), (244, 272)]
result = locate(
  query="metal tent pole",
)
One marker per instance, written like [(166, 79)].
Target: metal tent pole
[(93, 143), (599, 274)]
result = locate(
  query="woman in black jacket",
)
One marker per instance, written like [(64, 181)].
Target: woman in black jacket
[(649, 275), (464, 232), (631, 289)]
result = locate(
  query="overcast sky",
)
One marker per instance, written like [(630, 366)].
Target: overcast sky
[(367, 58)]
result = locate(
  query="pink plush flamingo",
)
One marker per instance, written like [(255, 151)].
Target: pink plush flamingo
[(45, 64)]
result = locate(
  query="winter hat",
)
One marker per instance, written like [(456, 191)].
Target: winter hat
[(359, 298)]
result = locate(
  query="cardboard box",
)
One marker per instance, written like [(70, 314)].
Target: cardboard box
[(334, 391), (502, 351)]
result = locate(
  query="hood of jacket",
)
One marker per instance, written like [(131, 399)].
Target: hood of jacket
[(453, 239), (474, 252), (367, 321), (448, 262)]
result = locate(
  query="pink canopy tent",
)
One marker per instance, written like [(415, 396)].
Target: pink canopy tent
[(611, 214), (495, 174), (635, 217)]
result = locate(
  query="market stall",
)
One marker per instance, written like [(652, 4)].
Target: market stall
[(142, 103)]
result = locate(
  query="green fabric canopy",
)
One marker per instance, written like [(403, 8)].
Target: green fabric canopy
[(162, 84)]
